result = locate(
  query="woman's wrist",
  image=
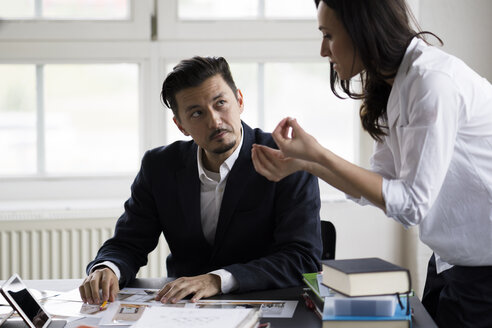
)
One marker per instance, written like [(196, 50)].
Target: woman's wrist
[(308, 166)]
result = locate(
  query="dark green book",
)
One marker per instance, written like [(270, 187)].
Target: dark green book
[(311, 280)]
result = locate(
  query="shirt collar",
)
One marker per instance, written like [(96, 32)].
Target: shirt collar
[(405, 65), (225, 167), (408, 58)]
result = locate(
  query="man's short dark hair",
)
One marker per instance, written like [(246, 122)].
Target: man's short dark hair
[(191, 73)]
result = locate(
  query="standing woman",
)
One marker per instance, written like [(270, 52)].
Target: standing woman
[(431, 118)]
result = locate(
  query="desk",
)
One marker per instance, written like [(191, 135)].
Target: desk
[(303, 317)]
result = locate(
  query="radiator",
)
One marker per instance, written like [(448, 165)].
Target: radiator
[(43, 246)]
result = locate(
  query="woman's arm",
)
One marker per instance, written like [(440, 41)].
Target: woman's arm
[(348, 177), (301, 151)]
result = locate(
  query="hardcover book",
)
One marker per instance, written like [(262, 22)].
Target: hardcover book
[(331, 303), (365, 277)]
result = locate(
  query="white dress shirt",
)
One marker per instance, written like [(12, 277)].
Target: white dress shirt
[(212, 186), (436, 160)]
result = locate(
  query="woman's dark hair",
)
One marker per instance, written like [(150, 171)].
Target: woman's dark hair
[(380, 31), (190, 73)]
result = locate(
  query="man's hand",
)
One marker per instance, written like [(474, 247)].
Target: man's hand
[(101, 279), (272, 164), (205, 285)]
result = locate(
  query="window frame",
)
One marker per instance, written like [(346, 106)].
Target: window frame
[(54, 186), (152, 55), (135, 27), (170, 27)]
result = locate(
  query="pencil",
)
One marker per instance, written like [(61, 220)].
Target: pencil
[(103, 306)]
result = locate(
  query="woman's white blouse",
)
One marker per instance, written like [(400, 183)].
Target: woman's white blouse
[(436, 160)]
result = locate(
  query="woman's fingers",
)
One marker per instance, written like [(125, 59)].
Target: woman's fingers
[(281, 132)]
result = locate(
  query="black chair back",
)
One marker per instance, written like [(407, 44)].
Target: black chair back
[(329, 238)]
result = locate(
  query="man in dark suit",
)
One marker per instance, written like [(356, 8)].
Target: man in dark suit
[(228, 228)]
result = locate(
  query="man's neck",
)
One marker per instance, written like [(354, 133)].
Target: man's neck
[(212, 162)]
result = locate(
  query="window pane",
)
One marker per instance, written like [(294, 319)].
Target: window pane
[(302, 90), (245, 76), (246, 9), (91, 118), (17, 119), (217, 9), (285, 9), (13, 9), (85, 9), (65, 9)]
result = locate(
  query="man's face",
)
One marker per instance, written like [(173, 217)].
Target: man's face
[(210, 114)]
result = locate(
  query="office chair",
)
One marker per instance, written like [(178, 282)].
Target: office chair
[(329, 239)]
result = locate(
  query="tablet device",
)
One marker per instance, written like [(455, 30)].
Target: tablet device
[(20, 298)]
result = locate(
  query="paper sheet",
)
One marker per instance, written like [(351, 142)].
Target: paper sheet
[(72, 295), (157, 317), (65, 309), (122, 314), (268, 308)]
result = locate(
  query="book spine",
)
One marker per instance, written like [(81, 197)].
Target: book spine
[(316, 299), (311, 305)]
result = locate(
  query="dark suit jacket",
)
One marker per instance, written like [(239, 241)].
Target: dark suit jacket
[(268, 233)]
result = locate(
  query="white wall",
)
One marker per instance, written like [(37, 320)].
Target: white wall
[(465, 26)]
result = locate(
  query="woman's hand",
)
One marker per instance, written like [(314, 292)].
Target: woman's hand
[(272, 164), (300, 144)]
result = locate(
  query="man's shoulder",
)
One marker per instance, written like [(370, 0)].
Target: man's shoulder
[(263, 138), (260, 137), (176, 152)]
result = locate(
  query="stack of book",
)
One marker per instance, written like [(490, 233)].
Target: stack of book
[(360, 292)]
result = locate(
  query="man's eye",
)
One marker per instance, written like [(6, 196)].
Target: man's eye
[(326, 36), (221, 102), (196, 113)]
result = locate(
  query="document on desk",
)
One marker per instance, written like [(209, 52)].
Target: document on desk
[(65, 309), (123, 314), (138, 295), (72, 296), (3, 301), (268, 308), (134, 295), (5, 313), (157, 317)]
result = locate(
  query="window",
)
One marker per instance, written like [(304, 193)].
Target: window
[(65, 20), (62, 119), (91, 118), (64, 9), (79, 88), (18, 119), (245, 9)]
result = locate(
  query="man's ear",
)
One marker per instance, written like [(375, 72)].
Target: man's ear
[(240, 100), (180, 127)]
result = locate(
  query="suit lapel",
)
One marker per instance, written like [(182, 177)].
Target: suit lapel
[(188, 188), (242, 172)]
